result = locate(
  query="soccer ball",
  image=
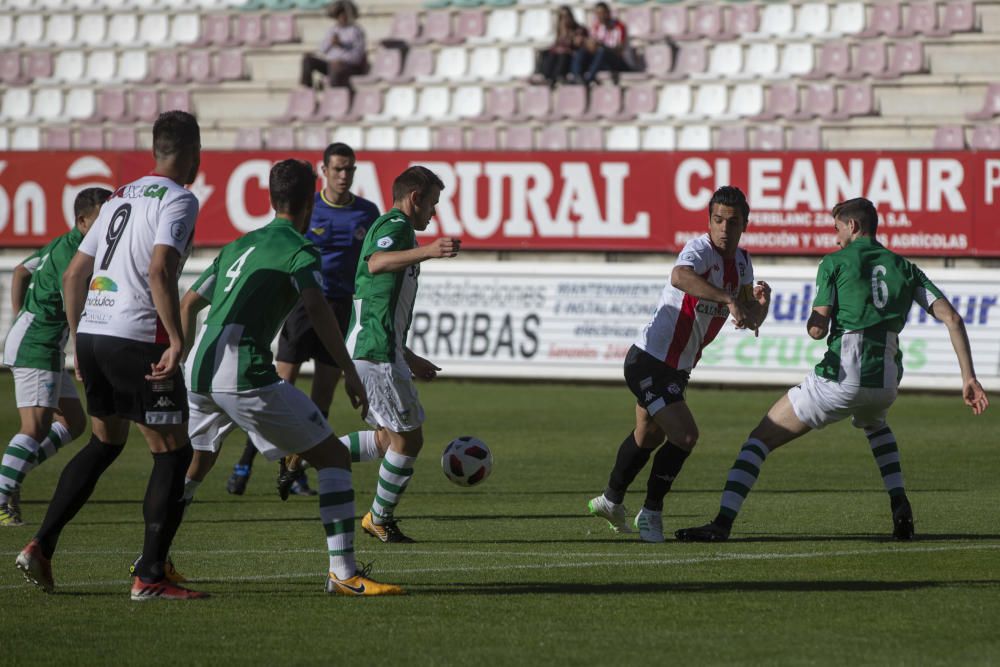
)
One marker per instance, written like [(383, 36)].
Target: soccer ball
[(467, 461)]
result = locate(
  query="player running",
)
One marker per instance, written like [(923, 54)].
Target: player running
[(252, 285), (339, 222), (863, 296), (386, 288), (711, 280), (128, 349), (47, 402)]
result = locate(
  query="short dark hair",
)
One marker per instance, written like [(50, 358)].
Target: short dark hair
[(604, 6), (88, 199), (173, 132), (340, 149), (859, 209), (730, 195), (292, 184), (419, 179)]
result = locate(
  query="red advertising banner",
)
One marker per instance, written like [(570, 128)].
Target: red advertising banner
[(944, 204)]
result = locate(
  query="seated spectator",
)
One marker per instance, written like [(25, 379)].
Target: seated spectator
[(603, 50), (341, 54), (570, 36)]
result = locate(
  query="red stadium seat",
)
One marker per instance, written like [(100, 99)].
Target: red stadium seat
[(250, 30), (691, 59), (90, 139), (569, 102), (301, 106), (741, 20), (959, 16), (869, 60), (483, 138), (855, 100), (638, 100), (10, 68), (707, 22), (553, 138), (605, 102), (501, 103), (732, 138), (111, 106), (280, 28), (57, 139), (639, 20), (437, 29), (769, 138), (834, 60), (820, 100), (782, 102), (588, 138), (405, 27), (198, 68), (166, 68), (40, 64), (470, 23), (519, 138), (387, 67), (419, 63), (122, 139), (886, 19), (659, 62), (672, 22), (907, 58), (216, 31), (179, 100), (806, 138), (449, 138), (536, 102), (920, 19), (991, 104), (986, 138), (334, 103), (366, 102), (229, 65), (280, 138), (949, 138), (249, 139)]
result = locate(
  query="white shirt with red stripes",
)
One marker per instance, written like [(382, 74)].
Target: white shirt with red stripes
[(612, 36), (683, 325)]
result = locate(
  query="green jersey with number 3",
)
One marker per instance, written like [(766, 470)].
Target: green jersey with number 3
[(870, 290), (383, 302), (252, 285)]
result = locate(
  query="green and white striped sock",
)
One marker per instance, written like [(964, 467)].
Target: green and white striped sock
[(336, 510), (362, 445), (394, 474), (57, 438), (18, 460), (741, 477), (886, 453)]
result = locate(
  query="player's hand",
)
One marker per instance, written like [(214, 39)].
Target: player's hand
[(762, 293), (422, 368), (741, 317), (76, 365), (168, 364), (443, 247), (356, 391), (975, 397)]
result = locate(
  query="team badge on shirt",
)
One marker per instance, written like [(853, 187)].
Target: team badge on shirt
[(384, 242)]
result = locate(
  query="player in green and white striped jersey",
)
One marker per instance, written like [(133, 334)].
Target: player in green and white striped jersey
[(252, 286), (863, 296), (49, 406)]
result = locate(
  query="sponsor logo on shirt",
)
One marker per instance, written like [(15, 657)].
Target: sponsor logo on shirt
[(103, 284), (712, 309), (674, 388), (318, 231), (384, 242)]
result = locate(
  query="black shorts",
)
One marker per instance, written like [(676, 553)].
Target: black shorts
[(114, 378), (298, 341), (654, 384)]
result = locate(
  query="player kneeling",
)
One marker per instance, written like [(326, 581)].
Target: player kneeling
[(251, 286)]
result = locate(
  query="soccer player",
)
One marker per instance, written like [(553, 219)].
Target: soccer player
[(340, 220), (386, 287), (49, 407), (252, 285), (711, 280), (128, 345), (863, 296)]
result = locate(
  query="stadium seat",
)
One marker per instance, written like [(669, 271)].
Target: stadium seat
[(692, 58), (381, 138), (694, 138), (710, 101), (166, 68), (812, 19), (29, 30), (726, 60), (436, 29), (769, 138), (351, 135), (639, 20), (145, 105), (959, 16), (123, 29), (405, 28), (111, 106), (834, 60), (991, 104), (280, 29), (198, 67), (731, 138), (820, 101), (553, 138), (949, 138), (4, 138), (216, 31), (672, 22), (387, 66), (986, 138), (313, 138), (280, 139), (133, 65), (419, 65), (415, 138), (588, 138), (11, 72), (907, 58), (483, 138), (855, 100), (622, 138), (659, 138), (536, 102), (80, 103), (569, 102), (249, 139), (501, 26), (762, 59), (229, 65), (518, 62), (848, 18), (500, 104), (400, 103), (746, 99), (101, 66), (659, 62), (519, 138), (797, 58), (186, 29), (6, 30), (250, 31), (806, 138), (782, 101), (470, 23), (707, 23), (639, 100), (61, 30), (90, 139), (434, 103), (921, 19), (366, 102), (674, 101), (605, 102), (121, 139), (154, 29), (57, 139), (869, 60), (334, 103), (301, 106), (885, 19), (467, 102), (452, 63), (777, 20), (537, 25), (448, 138), (48, 104), (484, 64), (741, 20), (69, 66)]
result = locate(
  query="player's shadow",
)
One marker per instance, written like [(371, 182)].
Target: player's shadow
[(579, 588), (863, 537)]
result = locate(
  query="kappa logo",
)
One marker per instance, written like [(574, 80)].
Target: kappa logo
[(163, 402), (384, 242), (650, 396)]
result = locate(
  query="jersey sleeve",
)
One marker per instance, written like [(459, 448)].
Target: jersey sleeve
[(695, 255), (175, 225), (924, 291), (205, 284), (389, 236), (33, 261), (88, 246), (826, 284), (306, 271)]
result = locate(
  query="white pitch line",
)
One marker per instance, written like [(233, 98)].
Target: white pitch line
[(694, 560)]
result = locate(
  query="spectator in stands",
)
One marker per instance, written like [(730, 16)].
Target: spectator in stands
[(342, 52), (604, 49), (570, 36)]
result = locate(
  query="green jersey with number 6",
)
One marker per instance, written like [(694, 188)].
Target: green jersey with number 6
[(870, 290), (383, 302), (252, 285)]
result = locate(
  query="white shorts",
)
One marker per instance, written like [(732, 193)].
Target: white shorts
[(818, 402), (279, 419), (42, 389), (392, 397)]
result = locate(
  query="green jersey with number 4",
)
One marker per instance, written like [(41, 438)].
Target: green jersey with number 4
[(252, 285), (383, 302), (870, 290)]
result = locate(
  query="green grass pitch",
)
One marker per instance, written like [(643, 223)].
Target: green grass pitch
[(516, 573)]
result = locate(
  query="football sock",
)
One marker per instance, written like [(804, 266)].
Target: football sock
[(163, 508), (667, 465), (886, 453), (190, 488), (249, 452), (631, 459), (741, 479), (76, 483), (336, 511), (363, 446), (394, 474), (57, 438), (17, 462)]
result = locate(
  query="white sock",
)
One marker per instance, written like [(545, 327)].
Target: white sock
[(336, 510), (363, 446)]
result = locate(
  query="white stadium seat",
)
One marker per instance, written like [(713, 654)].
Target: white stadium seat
[(695, 138), (61, 29), (415, 138), (4, 139), (69, 66), (501, 26), (659, 138), (777, 20), (400, 102), (797, 58), (848, 18), (101, 66), (48, 104), (26, 139), (518, 62), (153, 29), (92, 29), (536, 25), (762, 59), (80, 103), (133, 65), (16, 104), (123, 29), (622, 138), (6, 29), (452, 63), (710, 100), (435, 102), (467, 102), (746, 99), (185, 28), (485, 63), (726, 60), (813, 19), (352, 135), (675, 100), (381, 138), (29, 29)]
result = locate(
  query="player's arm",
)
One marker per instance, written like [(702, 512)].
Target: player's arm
[(420, 367), (19, 287), (685, 279), (972, 391), (819, 322), (164, 268), (393, 261), (197, 298), (74, 282), (325, 325)]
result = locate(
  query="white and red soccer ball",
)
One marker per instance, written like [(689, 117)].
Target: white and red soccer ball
[(467, 461)]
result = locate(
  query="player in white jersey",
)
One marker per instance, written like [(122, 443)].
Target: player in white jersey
[(123, 312), (711, 280)]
